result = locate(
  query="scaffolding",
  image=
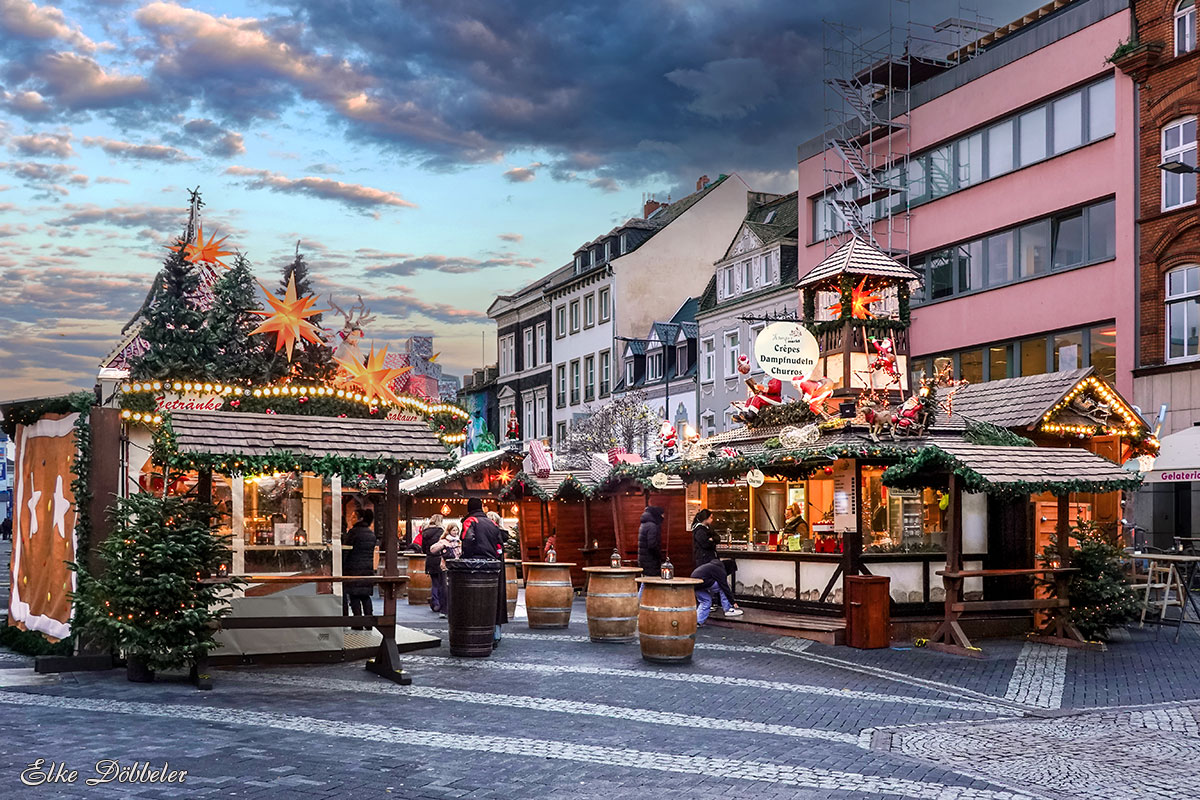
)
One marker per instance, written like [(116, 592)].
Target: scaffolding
[(867, 139)]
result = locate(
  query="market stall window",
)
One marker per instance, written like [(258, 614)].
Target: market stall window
[(730, 505)]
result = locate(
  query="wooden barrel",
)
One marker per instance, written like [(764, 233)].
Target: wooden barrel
[(548, 594), (419, 585), (472, 615), (667, 619), (511, 585), (612, 603)]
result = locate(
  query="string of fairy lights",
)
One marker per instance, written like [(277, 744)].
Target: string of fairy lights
[(1132, 424)]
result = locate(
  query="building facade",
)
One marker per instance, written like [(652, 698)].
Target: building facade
[(753, 281), (1011, 177), (618, 285), (662, 364), (524, 347)]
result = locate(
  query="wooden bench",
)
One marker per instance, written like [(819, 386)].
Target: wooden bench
[(386, 663)]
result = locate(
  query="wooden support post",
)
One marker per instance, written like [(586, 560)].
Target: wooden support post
[(335, 531), (950, 637), (1059, 629), (387, 661)]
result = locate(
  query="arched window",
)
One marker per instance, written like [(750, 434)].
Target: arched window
[(1179, 144), (1185, 27), (1183, 312)]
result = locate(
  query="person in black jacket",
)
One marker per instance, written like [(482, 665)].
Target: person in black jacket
[(704, 541), (483, 538), (650, 554), (712, 573), (430, 535), (356, 597)]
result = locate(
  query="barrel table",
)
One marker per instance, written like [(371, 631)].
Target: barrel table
[(511, 586), (548, 593), (612, 603), (472, 605), (418, 582), (667, 619)]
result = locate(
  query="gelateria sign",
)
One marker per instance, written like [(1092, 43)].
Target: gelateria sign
[(786, 350), (189, 401)]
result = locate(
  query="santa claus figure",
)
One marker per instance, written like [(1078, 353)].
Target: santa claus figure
[(668, 441), (760, 397), (885, 357), (814, 391)]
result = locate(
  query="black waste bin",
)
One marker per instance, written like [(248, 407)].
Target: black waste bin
[(473, 594)]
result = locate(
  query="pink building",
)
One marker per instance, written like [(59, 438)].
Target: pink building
[(1008, 181)]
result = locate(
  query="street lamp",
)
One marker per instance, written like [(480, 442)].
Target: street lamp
[(1178, 168)]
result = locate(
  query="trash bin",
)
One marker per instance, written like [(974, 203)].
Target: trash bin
[(474, 590), (868, 611)]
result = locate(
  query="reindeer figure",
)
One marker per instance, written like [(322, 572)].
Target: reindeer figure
[(345, 342), (879, 416)]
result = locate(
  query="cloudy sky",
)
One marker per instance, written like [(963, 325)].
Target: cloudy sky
[(426, 153)]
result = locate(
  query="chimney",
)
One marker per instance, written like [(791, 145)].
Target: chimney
[(651, 205), (701, 182)]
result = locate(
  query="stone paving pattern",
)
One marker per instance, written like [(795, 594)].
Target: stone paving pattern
[(552, 715)]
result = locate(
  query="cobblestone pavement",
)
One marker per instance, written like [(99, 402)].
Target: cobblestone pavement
[(551, 715)]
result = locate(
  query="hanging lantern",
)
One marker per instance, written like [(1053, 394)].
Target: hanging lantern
[(445, 509)]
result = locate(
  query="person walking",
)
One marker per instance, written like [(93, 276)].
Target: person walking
[(430, 535), (704, 540), (712, 573), (650, 553), (483, 538), (448, 546), (356, 596)]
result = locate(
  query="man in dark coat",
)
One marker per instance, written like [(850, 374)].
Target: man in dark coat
[(704, 540), (483, 538), (650, 555), (360, 560)]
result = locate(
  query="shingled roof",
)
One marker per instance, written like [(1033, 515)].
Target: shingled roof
[(1020, 470), (219, 433), (467, 465), (858, 257), (1016, 402)]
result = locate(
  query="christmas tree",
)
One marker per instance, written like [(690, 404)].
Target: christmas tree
[(1101, 598), (311, 361), (150, 600), (241, 356)]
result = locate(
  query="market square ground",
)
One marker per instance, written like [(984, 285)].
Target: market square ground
[(552, 715)]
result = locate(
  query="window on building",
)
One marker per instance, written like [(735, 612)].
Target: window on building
[(589, 311), (576, 382), (1033, 356), (1032, 127), (1102, 109), (747, 276), (560, 434), (579, 263), (530, 352), (560, 322), (1101, 224), (1068, 351), (728, 421), (998, 251), (1179, 144), (508, 354), (589, 378), (630, 373), (560, 385), (768, 269), (1102, 344), (708, 424), (1183, 312), (1000, 148), (541, 343), (595, 255), (1068, 240), (1033, 243), (506, 408), (707, 359), (732, 352), (1068, 122), (727, 282), (755, 330), (624, 243), (574, 316), (916, 180), (605, 372), (941, 275), (970, 160), (1185, 27), (970, 366), (999, 361), (543, 418), (528, 416), (654, 365), (605, 299), (941, 172), (608, 249), (681, 359)]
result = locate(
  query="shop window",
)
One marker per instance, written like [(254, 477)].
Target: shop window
[(1103, 345), (1179, 144), (970, 366), (1068, 122), (1068, 351), (1102, 231), (1034, 245), (1068, 240), (1185, 27), (999, 358), (1032, 127), (1033, 356), (1183, 312)]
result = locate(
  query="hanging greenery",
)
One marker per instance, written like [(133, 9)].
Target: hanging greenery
[(794, 412), (987, 433)]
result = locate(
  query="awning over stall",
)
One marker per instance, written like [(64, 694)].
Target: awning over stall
[(1011, 470), (340, 441), (1179, 458)]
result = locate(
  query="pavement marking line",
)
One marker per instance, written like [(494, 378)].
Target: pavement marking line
[(549, 637), (25, 677), (709, 680), (1039, 676), (646, 715), (526, 748)]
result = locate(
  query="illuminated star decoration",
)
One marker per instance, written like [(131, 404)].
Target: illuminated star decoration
[(859, 300), (209, 252), (373, 378), (289, 321)]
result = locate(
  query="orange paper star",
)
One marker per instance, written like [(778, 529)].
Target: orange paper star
[(859, 300), (373, 378), (289, 320), (209, 252)]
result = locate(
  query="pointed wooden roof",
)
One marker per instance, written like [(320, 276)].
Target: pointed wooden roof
[(858, 257)]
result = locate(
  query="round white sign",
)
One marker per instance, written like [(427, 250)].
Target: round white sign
[(659, 480), (756, 478), (786, 350)]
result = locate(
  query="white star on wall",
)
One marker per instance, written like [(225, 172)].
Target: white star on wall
[(35, 497), (61, 506)]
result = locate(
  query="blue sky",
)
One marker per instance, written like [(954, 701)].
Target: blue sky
[(427, 154)]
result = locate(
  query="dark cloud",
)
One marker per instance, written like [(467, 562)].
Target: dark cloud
[(213, 139), (48, 180), (510, 237), (75, 82), (137, 152), (351, 194), (406, 265), (56, 145), (157, 218)]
